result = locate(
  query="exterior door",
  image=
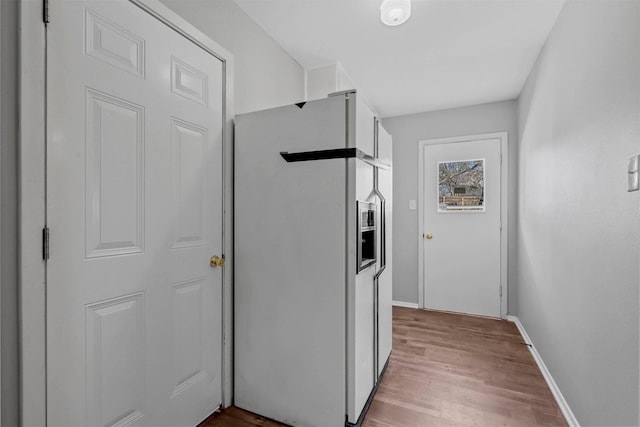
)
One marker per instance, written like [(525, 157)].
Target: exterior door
[(134, 207), (462, 236)]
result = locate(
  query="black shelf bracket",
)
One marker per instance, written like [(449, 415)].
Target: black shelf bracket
[(338, 153)]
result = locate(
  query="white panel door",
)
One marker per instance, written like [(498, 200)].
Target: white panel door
[(134, 205), (461, 208)]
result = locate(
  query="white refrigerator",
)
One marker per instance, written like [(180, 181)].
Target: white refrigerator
[(312, 288)]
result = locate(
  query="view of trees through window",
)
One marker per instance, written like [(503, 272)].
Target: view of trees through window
[(461, 186)]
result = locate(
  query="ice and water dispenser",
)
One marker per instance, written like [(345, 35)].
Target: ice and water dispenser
[(366, 238)]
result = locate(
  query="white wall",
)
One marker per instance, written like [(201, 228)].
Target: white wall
[(322, 81), (8, 206), (579, 119), (406, 132), (265, 75)]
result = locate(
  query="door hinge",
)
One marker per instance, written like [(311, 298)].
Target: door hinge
[(45, 11), (45, 243), (500, 290)]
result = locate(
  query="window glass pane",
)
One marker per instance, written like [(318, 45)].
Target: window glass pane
[(461, 186)]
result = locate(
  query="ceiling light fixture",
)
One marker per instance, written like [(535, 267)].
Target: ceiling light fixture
[(395, 12)]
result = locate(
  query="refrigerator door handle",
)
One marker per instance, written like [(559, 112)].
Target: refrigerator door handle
[(383, 234), (337, 153), (376, 298)]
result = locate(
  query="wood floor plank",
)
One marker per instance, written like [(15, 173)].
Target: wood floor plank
[(449, 369)]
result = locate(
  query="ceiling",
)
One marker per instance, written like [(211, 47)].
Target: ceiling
[(450, 53)]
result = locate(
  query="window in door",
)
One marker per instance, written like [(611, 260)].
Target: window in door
[(461, 186)]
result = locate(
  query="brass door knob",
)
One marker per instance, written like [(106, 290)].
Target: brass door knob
[(429, 236), (216, 261)]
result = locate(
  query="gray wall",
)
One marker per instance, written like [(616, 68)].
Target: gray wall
[(8, 206), (579, 118), (265, 75), (406, 132)]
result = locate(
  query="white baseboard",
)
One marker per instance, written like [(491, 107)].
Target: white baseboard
[(562, 403), (405, 304)]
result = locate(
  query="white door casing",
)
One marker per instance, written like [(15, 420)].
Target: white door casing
[(136, 117), (462, 267)]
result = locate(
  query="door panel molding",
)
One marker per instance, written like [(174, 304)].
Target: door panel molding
[(504, 210), (32, 194)]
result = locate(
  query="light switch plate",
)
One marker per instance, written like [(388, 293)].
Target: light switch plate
[(412, 205), (632, 169)]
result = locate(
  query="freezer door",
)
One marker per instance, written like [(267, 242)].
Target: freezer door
[(361, 372)]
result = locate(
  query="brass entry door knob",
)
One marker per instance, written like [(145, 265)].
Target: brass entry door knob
[(429, 236), (216, 261)]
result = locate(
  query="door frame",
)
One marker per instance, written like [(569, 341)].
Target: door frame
[(32, 203), (504, 210)]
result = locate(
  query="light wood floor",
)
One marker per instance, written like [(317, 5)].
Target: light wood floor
[(448, 369)]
